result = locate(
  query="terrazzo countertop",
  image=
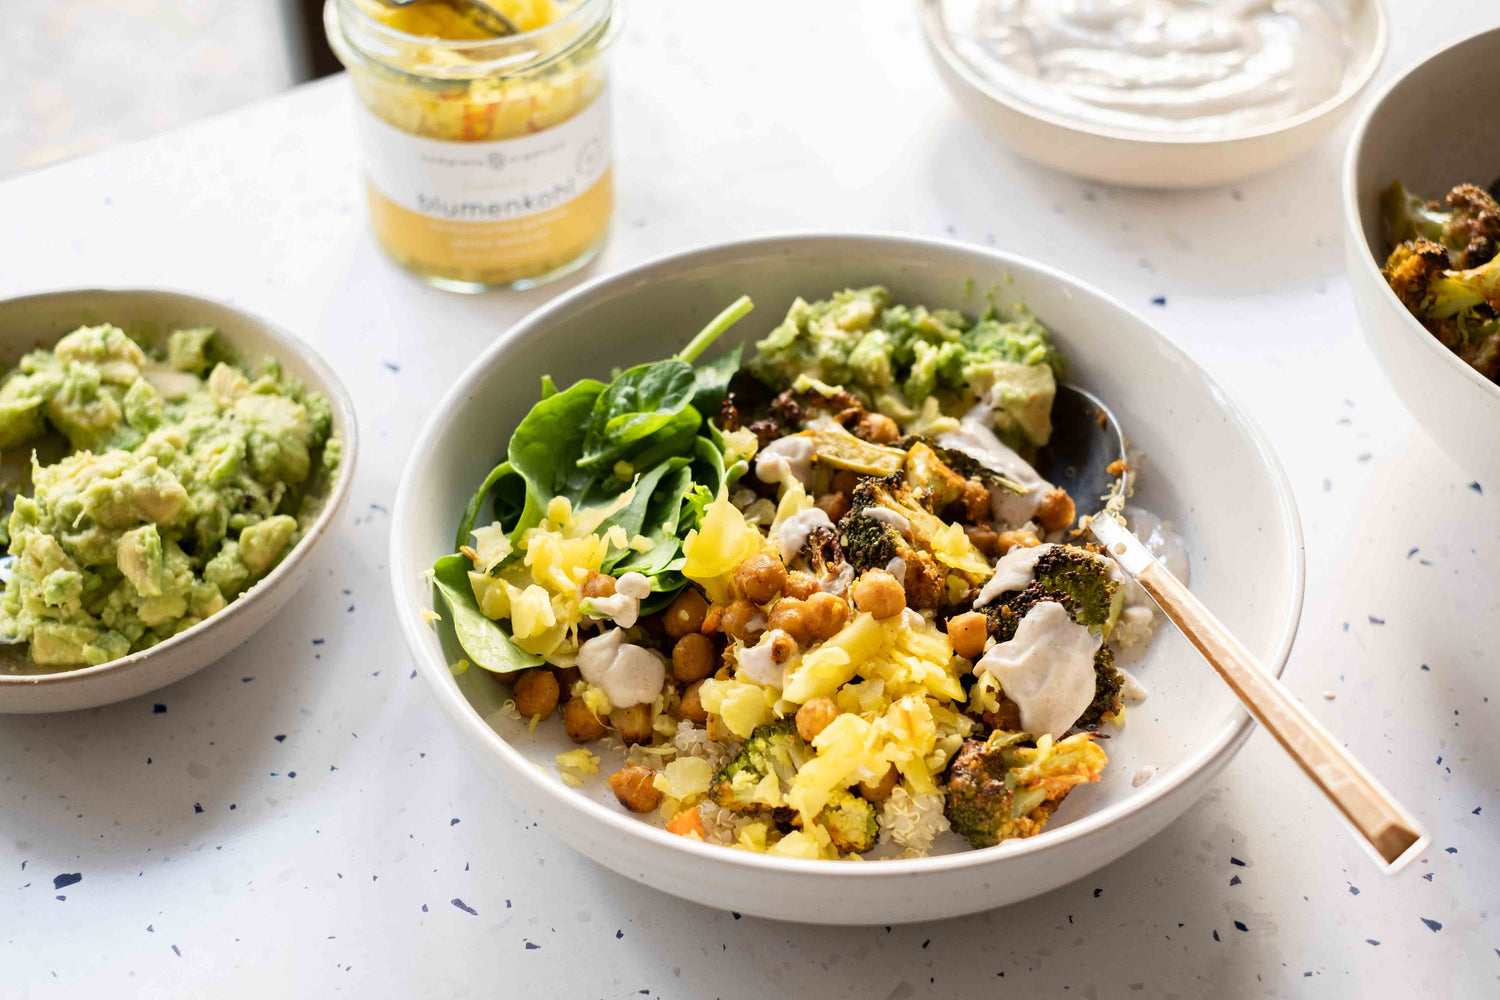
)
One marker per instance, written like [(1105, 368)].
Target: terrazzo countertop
[(296, 820)]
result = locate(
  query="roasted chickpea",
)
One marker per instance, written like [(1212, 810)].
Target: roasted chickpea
[(743, 621), (536, 692), (790, 615), (826, 614), (814, 717), (685, 614), (633, 723), (877, 592), (1017, 539), (983, 538), (878, 428), (1056, 511), (635, 786), (844, 482), (834, 504), (693, 658), (968, 633), (580, 722), (691, 708), (881, 790), (1008, 718), (800, 585), (598, 584), (976, 500), (760, 577)]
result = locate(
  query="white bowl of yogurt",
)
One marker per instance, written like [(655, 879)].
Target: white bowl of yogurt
[(1156, 93)]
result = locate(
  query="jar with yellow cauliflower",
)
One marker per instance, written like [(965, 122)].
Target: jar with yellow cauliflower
[(487, 159)]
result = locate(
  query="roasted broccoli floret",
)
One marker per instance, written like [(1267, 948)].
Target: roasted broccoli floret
[(1009, 785), (773, 750), (850, 822), (1095, 596), (1470, 227), (932, 552), (1458, 307), (1082, 582)]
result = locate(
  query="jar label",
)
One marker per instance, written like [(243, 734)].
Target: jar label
[(494, 181)]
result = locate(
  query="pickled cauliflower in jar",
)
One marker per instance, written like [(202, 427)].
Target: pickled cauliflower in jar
[(486, 157)]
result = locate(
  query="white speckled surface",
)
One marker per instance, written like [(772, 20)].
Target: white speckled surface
[(209, 869)]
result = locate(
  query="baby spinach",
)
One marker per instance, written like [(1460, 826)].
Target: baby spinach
[(589, 443), (484, 641)]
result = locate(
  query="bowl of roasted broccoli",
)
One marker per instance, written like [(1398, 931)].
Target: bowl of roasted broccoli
[(1422, 231), (791, 622)]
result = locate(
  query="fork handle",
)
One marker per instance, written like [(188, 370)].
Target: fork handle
[(1389, 829)]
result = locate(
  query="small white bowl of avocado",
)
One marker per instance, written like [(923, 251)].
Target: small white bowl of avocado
[(167, 464)]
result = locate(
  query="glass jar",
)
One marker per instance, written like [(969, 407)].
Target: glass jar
[(487, 160)]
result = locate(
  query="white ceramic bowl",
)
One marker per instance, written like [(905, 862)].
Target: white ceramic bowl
[(38, 321), (1208, 469), (1146, 159), (1424, 132)]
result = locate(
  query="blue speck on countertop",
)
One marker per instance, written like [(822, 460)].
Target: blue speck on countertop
[(532, 946), (1239, 926), (1477, 488), (1354, 890), (1432, 925), (1376, 621), (453, 821), (197, 807), (66, 879), (1236, 861), (158, 709), (1216, 935), (1372, 941), (279, 738), (1235, 880), (1160, 300), (619, 935), (464, 906)]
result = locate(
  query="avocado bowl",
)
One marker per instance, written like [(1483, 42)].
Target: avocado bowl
[(1197, 443), (149, 316)]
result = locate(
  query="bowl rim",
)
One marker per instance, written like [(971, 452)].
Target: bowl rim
[(939, 43), (461, 714), (338, 396), (1354, 229)]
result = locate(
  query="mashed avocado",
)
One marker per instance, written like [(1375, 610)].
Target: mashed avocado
[(188, 480), (896, 357)]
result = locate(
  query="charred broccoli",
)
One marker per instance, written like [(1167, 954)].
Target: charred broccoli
[(774, 750), (1444, 268), (1095, 596), (931, 550), (1458, 307), (1008, 786), (1083, 583), (1470, 228), (850, 822)]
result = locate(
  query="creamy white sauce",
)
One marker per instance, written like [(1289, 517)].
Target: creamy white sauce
[(629, 674), (1047, 669), (792, 534), (634, 585), (786, 460), (1142, 775), (912, 619), (975, 438), (767, 661), (1013, 571), (1132, 691), (619, 608), (1174, 66), (897, 568), (885, 515), (837, 583)]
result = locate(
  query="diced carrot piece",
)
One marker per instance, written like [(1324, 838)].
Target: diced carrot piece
[(686, 823)]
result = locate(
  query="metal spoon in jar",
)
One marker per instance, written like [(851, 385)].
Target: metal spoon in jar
[(1086, 440), (483, 16)]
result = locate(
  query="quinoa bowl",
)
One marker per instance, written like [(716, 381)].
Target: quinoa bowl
[(1159, 761)]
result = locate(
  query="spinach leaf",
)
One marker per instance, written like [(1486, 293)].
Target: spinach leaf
[(635, 517), (546, 446), (711, 380), (638, 403), (510, 498), (732, 314), (484, 641), (661, 526)]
